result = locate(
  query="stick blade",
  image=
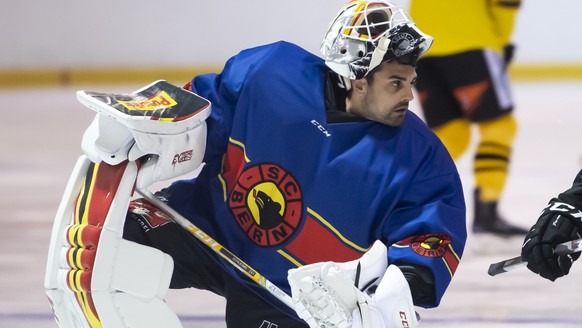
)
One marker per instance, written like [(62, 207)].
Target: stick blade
[(569, 247), (495, 269), (505, 266)]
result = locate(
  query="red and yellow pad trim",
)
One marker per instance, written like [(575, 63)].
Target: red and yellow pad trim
[(93, 203)]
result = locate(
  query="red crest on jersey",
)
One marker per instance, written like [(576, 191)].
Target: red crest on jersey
[(267, 204)]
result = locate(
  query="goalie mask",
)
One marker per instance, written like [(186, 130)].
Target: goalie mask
[(366, 33)]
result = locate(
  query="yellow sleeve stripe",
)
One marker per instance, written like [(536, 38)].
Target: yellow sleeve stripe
[(289, 257)]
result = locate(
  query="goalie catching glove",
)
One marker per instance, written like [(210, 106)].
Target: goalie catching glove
[(559, 222), (361, 293), (161, 120)]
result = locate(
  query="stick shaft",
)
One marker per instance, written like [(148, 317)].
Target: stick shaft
[(568, 247), (219, 249), (506, 265)]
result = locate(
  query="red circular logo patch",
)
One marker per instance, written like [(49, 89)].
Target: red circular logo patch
[(431, 245), (267, 204)]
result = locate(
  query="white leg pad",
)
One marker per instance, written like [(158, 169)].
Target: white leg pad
[(95, 278), (152, 313), (129, 284), (132, 268)]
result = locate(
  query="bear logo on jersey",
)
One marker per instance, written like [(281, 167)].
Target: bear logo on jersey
[(267, 204), (269, 211), (431, 245)]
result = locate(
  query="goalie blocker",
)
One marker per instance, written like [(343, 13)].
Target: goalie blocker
[(94, 278)]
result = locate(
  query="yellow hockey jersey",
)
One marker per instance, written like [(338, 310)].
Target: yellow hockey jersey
[(462, 25)]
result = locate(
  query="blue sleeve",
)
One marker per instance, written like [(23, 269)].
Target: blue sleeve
[(428, 225)]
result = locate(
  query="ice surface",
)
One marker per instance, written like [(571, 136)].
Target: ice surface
[(41, 131)]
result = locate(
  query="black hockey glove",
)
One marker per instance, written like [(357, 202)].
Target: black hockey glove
[(558, 223)]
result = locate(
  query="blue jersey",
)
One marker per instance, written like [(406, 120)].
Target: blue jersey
[(284, 187)]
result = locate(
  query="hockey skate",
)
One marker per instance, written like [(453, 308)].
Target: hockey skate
[(488, 220)]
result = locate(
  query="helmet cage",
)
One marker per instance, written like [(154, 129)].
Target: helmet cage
[(367, 33)]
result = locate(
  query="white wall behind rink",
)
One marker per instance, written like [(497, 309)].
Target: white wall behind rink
[(131, 33)]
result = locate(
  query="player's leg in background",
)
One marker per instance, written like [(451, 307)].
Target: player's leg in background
[(456, 135), (491, 166), (441, 110), (497, 129)]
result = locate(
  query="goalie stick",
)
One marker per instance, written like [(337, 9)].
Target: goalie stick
[(223, 252), (568, 247)]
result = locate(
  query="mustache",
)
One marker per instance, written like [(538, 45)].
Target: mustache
[(404, 104)]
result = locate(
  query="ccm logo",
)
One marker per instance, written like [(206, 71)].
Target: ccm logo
[(321, 128), (182, 157), (404, 319)]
